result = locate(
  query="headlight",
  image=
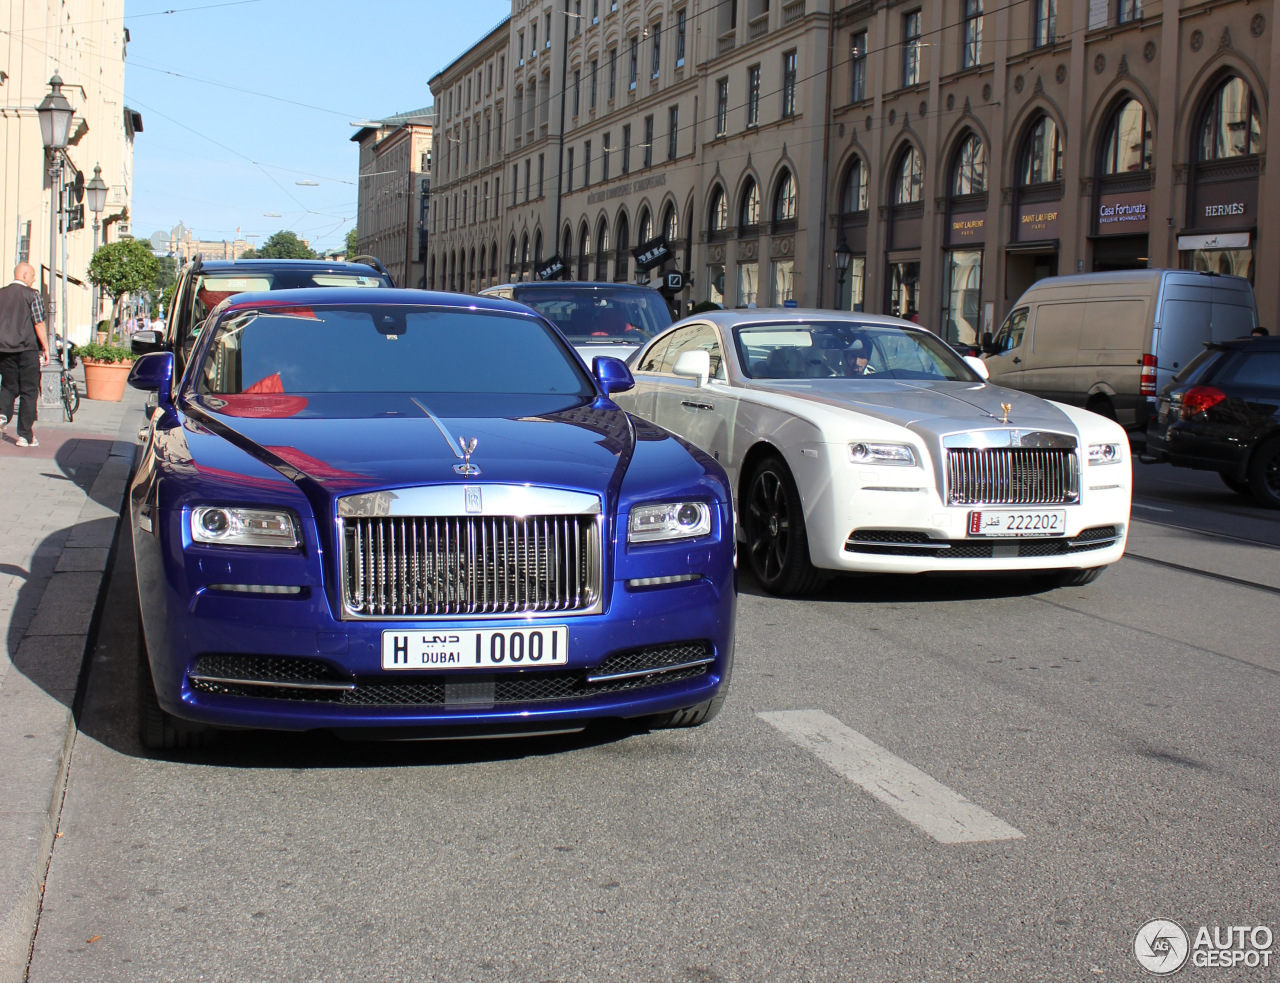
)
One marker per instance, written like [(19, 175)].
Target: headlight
[(670, 520), (1105, 454), (243, 527), (864, 452)]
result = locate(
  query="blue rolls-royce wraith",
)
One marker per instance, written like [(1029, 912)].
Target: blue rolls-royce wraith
[(385, 511)]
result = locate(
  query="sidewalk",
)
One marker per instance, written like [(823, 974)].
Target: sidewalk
[(62, 503)]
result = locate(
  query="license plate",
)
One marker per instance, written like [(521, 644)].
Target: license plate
[(1163, 414), (1031, 522), (454, 648)]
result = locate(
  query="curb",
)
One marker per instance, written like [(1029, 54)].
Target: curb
[(40, 702)]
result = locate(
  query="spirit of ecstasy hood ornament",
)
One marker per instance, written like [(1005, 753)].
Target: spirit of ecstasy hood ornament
[(1004, 406), (466, 467)]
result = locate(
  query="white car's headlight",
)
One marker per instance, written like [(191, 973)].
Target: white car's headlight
[(243, 527), (1105, 454), (866, 452), (668, 520)]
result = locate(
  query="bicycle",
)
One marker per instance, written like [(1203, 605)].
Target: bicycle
[(67, 383)]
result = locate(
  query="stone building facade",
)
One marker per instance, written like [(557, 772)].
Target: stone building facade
[(954, 152), (394, 189)]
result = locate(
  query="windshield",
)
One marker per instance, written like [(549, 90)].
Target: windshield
[(213, 288), (846, 350), (601, 315), (367, 349)]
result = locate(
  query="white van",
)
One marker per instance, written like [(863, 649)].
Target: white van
[(1110, 341)]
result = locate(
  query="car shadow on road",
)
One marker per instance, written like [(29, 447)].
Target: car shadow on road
[(851, 588)]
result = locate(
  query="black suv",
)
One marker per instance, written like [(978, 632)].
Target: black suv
[(1222, 413), (203, 286)]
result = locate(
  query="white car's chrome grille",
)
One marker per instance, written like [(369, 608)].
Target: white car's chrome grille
[(1012, 476), (428, 566)]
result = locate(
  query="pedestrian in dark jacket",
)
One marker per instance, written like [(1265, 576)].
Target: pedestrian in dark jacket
[(23, 349)]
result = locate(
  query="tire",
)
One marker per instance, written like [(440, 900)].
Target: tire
[(1078, 578), (1264, 473), (70, 398), (1102, 406), (157, 730), (695, 716), (1240, 487), (777, 544)]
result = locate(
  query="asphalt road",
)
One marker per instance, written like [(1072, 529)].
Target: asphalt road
[(992, 781)]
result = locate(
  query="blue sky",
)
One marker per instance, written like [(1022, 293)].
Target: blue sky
[(219, 159)]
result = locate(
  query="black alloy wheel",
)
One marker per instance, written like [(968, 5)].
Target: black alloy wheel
[(777, 545), (1264, 473)]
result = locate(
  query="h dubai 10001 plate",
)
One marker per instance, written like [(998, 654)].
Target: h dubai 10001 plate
[(458, 648)]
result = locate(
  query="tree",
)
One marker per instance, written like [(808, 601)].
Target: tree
[(127, 266), (352, 249), (284, 245)]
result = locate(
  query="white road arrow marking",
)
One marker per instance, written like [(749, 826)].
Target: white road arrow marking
[(945, 815)]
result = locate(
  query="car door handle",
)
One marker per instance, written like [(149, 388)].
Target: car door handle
[(696, 406), (1016, 360)]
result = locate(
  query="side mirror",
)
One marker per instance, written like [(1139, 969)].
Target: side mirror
[(978, 366), (987, 343), (145, 342), (154, 373), (612, 374), (694, 365)]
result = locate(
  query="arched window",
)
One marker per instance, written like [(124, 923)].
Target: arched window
[(908, 182), (1041, 153), (566, 252), (602, 250), (431, 278), (718, 213), (1230, 125), (480, 268), (749, 208), (524, 254), (453, 271), (584, 253), (670, 225), (853, 196), (784, 199), (493, 260), (644, 227), (537, 246), (622, 263), (511, 260), (1127, 145), (969, 172), (471, 271)]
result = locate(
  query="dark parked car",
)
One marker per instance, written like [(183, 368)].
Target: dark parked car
[(202, 286), (374, 510), (1222, 413)]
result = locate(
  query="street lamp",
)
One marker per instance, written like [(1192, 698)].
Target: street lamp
[(55, 128), (843, 255), (96, 192)]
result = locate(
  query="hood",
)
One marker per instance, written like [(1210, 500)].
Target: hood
[(341, 444), (930, 408)]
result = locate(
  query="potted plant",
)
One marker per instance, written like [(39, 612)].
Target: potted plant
[(106, 369), (103, 331)]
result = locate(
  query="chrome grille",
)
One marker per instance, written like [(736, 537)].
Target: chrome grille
[(1012, 476), (424, 566)]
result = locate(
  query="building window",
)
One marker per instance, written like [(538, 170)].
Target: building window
[(644, 227), (962, 309), (604, 157), (577, 90), (1128, 11), (635, 64), (595, 11), (784, 199), (908, 183), (783, 281), (673, 130), (533, 40), (858, 61), (648, 141), (502, 70), (789, 84), (656, 62), (568, 176), (722, 107), (621, 262), (484, 207), (753, 95), (577, 18), (541, 163), (715, 283), (853, 196), (911, 48), (602, 251), (970, 174), (515, 183), (613, 74), (527, 170), (626, 149), (1128, 140), (680, 36), (488, 82), (547, 32), (971, 54), (595, 72), (586, 164), (1230, 125), (613, 6), (1044, 22), (749, 209), (748, 284), (718, 212), (519, 54), (584, 253), (904, 290), (1042, 154), (854, 286), (670, 224)]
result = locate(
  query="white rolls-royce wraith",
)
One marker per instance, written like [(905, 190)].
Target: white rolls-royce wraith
[(863, 443)]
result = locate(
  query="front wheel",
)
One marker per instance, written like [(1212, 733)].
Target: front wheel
[(1264, 474), (1234, 483), (70, 397), (777, 544)]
